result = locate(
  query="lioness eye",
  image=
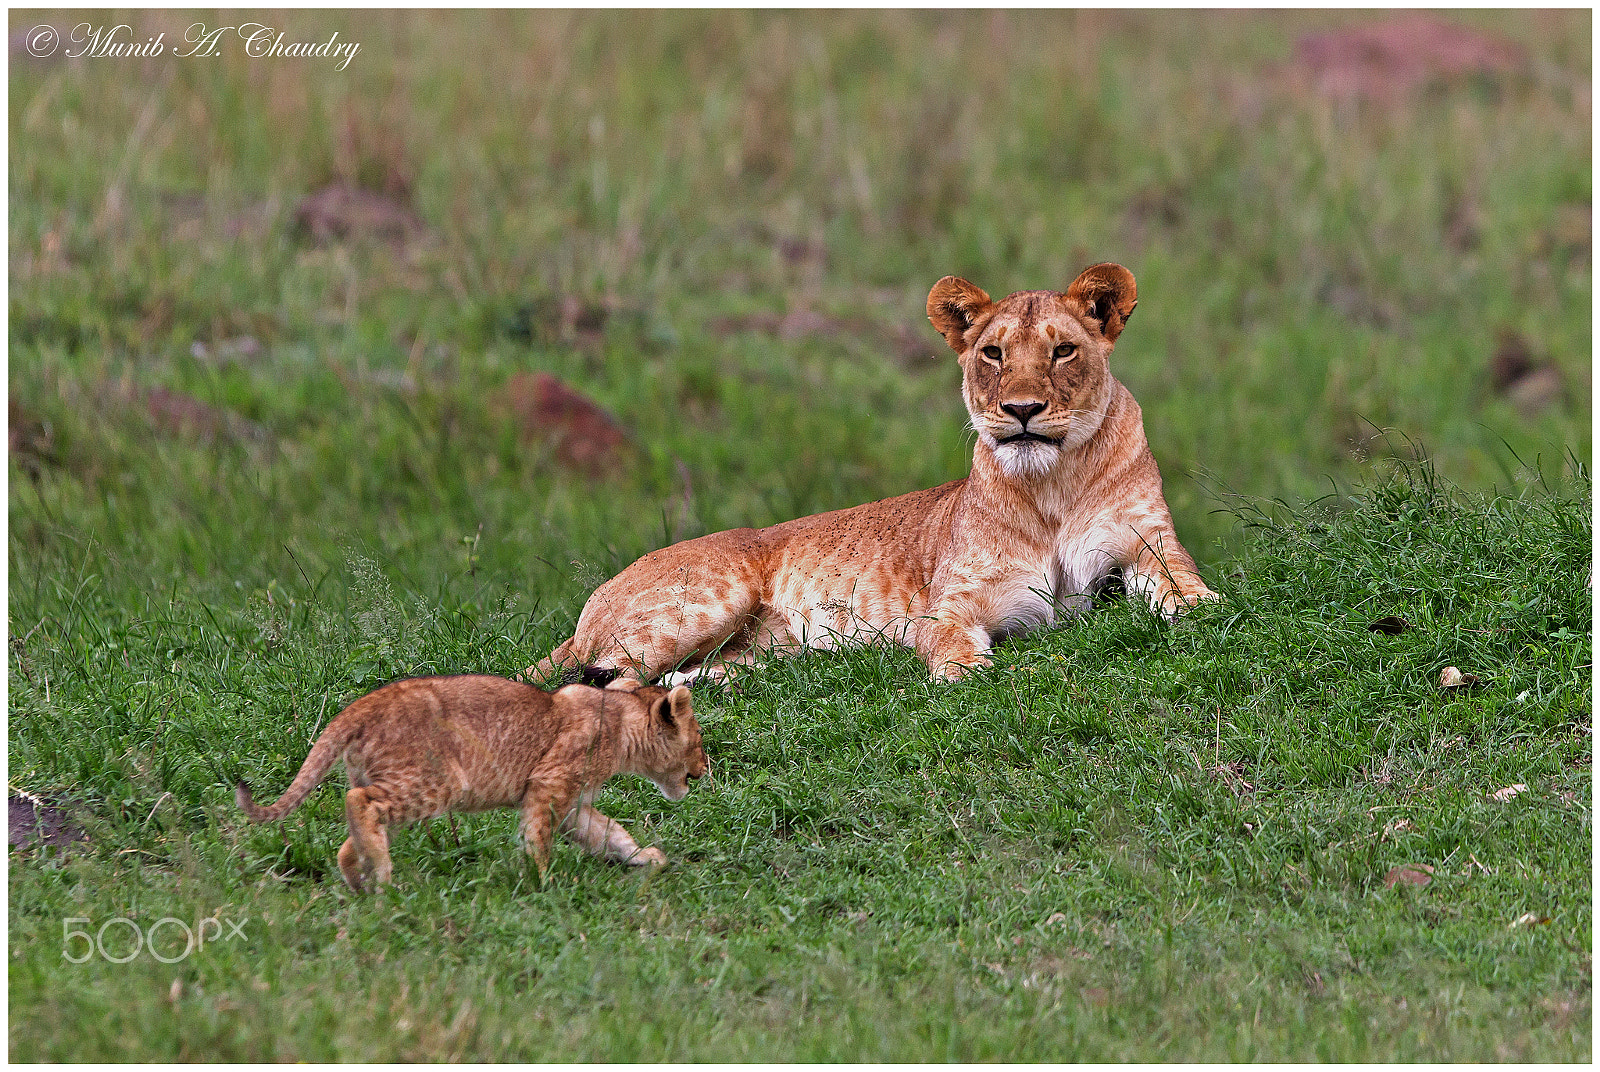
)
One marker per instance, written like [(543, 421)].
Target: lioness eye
[(1066, 350), (992, 353)]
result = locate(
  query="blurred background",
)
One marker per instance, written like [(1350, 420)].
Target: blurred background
[(514, 297)]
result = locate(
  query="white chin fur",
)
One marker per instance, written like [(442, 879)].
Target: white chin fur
[(1030, 458)]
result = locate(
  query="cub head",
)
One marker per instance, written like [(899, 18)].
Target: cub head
[(1035, 366), (670, 754)]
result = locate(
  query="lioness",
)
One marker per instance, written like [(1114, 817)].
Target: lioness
[(1063, 491), (418, 748)]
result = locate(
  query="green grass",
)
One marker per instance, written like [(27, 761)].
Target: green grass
[(1127, 841)]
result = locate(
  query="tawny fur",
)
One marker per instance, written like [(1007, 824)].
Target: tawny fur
[(1063, 491), (422, 747)]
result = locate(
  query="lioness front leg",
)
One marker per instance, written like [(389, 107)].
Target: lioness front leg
[(1165, 574), (603, 836), (952, 649)]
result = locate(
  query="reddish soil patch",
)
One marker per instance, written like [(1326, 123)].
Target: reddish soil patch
[(580, 435), (340, 211), (1383, 60)]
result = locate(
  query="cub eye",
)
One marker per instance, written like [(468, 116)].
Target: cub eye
[(1066, 350), (992, 353)]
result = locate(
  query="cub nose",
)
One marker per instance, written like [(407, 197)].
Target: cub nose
[(1023, 411)]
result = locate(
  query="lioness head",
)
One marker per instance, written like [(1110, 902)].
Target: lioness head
[(1035, 366), (672, 755)]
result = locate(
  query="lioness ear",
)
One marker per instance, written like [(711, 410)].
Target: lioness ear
[(1107, 294), (953, 305)]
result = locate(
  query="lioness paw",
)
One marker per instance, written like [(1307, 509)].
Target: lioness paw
[(955, 671), (651, 857)]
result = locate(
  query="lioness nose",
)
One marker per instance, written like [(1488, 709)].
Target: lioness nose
[(1022, 411)]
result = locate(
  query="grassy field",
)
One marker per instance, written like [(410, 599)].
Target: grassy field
[(256, 471)]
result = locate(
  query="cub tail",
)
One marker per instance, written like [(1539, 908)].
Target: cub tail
[(324, 754)]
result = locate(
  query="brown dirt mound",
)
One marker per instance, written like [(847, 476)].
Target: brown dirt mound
[(1533, 386), (32, 821), (29, 439), (340, 212), (580, 434), (1389, 58), (181, 415)]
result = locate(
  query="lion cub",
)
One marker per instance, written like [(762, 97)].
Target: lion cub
[(429, 745)]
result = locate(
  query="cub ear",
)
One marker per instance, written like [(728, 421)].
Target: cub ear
[(682, 703), (953, 306), (661, 710), (1107, 294)]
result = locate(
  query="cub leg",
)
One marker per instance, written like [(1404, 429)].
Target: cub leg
[(350, 864), (1165, 574), (546, 802), (604, 837), (365, 856)]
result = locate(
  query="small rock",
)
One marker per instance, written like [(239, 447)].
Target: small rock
[(1502, 795), (242, 348), (1452, 678)]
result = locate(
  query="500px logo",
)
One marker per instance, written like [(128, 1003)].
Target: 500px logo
[(127, 941)]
